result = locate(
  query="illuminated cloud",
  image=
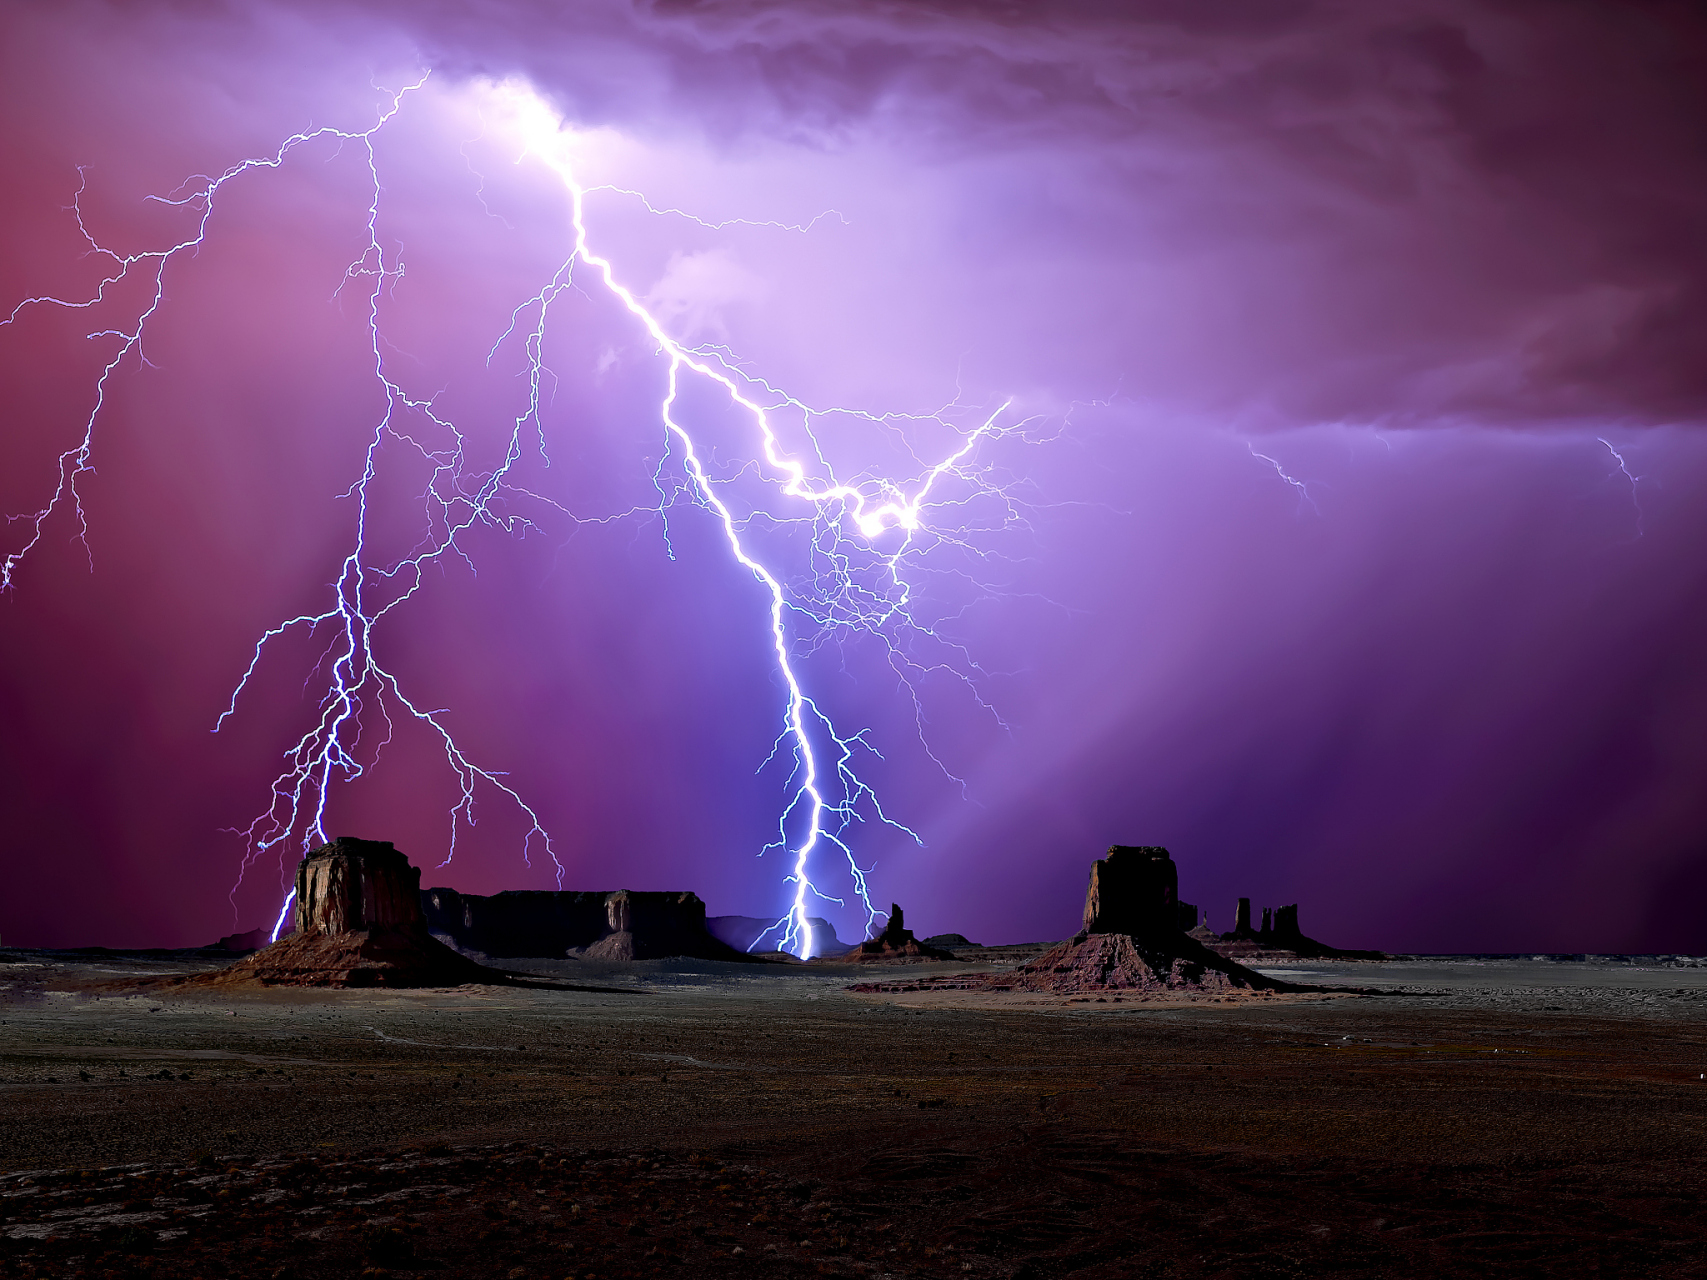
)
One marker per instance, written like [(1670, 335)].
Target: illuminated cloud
[(1424, 259)]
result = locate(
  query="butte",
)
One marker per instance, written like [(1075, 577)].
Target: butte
[(1131, 944), (358, 924)]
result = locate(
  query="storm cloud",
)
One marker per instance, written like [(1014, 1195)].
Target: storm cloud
[(1360, 555)]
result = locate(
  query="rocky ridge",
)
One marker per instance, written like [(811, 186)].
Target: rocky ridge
[(621, 924)]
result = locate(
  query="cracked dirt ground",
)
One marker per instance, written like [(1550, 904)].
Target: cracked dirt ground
[(727, 1122)]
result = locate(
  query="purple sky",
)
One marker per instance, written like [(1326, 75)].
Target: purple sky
[(1441, 264)]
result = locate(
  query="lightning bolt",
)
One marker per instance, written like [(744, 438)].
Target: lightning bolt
[(867, 536), (1303, 489), (1635, 498), (640, 197)]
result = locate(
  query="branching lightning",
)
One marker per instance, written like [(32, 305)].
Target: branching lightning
[(1635, 498), (651, 208), (1303, 489), (865, 536)]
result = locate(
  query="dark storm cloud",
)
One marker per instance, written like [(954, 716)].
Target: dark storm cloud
[(1441, 211), (1400, 213), (1426, 256)]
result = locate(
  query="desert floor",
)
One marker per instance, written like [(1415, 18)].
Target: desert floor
[(1486, 1118)]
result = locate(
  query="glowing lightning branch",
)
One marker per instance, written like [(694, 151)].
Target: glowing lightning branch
[(801, 227), (868, 516), (852, 586), (1303, 489), (1635, 498)]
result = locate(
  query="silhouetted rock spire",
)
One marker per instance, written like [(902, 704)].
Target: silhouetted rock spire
[(1279, 937), (895, 944)]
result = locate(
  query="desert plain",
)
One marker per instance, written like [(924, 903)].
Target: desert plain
[(1419, 1117)]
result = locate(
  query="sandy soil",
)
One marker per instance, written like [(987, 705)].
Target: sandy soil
[(909, 995), (1474, 1118)]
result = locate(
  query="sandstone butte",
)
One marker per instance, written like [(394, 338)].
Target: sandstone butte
[(1131, 941), (358, 924)]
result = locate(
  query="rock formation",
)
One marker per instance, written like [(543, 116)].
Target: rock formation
[(1117, 962), (1203, 933), (358, 924), (650, 926), (599, 925), (355, 886), (1278, 938), (1242, 920), (1134, 936), (242, 943), (1133, 941), (1285, 933), (1134, 890), (950, 941), (895, 945)]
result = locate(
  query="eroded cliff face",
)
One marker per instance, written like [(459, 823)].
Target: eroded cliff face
[(358, 924), (620, 924), (1134, 889), (352, 884)]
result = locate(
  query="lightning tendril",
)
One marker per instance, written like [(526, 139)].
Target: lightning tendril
[(866, 536)]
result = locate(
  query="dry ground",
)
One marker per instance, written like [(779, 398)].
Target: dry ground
[(730, 1122)]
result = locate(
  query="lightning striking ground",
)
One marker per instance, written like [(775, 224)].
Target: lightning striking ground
[(855, 585)]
